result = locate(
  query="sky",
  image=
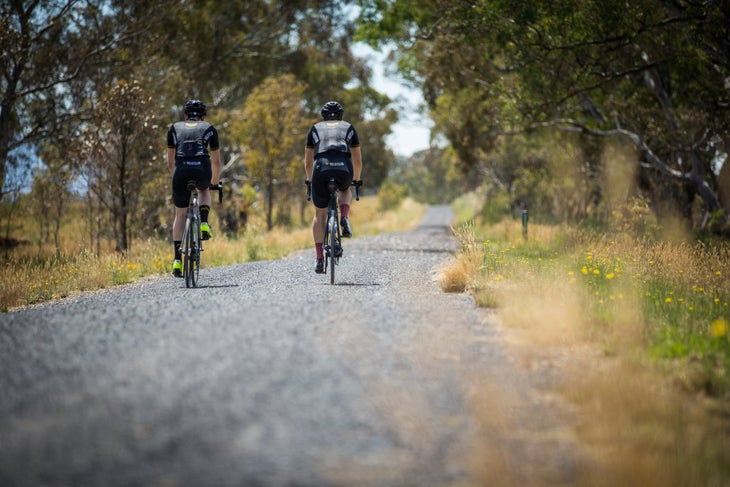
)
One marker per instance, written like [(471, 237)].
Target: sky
[(412, 131)]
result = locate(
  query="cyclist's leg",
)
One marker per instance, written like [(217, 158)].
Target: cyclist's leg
[(343, 176), (180, 198), (204, 200), (178, 225), (318, 229), (318, 224), (320, 198), (344, 198)]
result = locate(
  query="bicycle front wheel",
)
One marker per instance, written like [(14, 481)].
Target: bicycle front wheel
[(191, 257), (332, 230)]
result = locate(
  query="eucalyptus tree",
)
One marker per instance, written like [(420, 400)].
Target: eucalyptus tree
[(53, 56), (651, 73), (59, 58), (272, 129), (117, 150)]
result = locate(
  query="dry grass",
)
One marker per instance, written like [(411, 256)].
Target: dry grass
[(32, 273), (624, 320)]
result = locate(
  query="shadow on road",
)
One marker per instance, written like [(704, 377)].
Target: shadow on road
[(210, 286)]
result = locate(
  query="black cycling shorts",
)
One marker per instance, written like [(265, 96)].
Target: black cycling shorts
[(337, 166), (201, 174)]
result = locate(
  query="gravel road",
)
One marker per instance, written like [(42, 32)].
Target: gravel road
[(267, 375)]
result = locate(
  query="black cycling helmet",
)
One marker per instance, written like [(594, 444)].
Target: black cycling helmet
[(332, 110), (195, 108)]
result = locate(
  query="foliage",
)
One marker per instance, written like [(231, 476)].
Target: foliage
[(59, 60), (432, 176), (649, 76), (50, 193), (391, 195), (673, 296), (53, 55), (118, 156), (271, 131)]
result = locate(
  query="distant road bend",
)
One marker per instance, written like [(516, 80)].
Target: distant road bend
[(268, 375)]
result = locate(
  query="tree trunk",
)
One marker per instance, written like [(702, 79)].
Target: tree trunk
[(270, 209)]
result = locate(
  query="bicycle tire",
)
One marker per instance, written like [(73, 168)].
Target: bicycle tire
[(333, 247), (196, 251), (185, 250), (191, 257)]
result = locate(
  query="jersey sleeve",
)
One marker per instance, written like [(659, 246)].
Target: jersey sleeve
[(171, 137), (353, 138), (311, 138), (213, 141)]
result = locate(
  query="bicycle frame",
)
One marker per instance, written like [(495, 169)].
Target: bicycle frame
[(332, 243), (191, 245), (332, 236)]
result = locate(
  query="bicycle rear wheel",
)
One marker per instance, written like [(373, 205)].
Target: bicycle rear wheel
[(332, 230), (191, 257)]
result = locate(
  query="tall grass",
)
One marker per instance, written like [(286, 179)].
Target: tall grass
[(35, 274), (675, 295), (657, 314)]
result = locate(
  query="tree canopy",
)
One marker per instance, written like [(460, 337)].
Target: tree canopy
[(62, 60), (652, 74)]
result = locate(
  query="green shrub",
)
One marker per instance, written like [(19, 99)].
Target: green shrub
[(391, 195)]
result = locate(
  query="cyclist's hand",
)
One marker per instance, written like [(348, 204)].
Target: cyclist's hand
[(307, 183), (357, 183)]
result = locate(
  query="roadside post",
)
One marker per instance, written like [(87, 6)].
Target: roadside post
[(524, 223)]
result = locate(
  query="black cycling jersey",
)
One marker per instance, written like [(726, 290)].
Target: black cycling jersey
[(191, 140), (332, 135), (331, 141)]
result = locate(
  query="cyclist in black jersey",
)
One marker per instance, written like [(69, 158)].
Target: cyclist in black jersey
[(332, 151), (193, 153)]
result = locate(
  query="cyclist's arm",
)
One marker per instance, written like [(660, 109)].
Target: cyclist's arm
[(171, 159), (309, 161), (356, 155), (215, 162)]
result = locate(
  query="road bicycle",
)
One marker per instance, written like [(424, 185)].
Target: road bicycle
[(332, 234), (192, 244)]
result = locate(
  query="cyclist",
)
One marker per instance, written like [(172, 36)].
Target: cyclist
[(332, 151), (193, 153)]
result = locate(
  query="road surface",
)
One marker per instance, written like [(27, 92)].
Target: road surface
[(267, 375)]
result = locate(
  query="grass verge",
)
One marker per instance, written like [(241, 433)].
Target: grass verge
[(29, 276), (652, 403)]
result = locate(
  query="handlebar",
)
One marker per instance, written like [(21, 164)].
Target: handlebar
[(218, 187)]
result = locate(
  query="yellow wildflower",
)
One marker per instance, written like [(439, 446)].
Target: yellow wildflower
[(719, 327)]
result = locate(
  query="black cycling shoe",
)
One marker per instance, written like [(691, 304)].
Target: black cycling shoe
[(319, 266), (346, 227)]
